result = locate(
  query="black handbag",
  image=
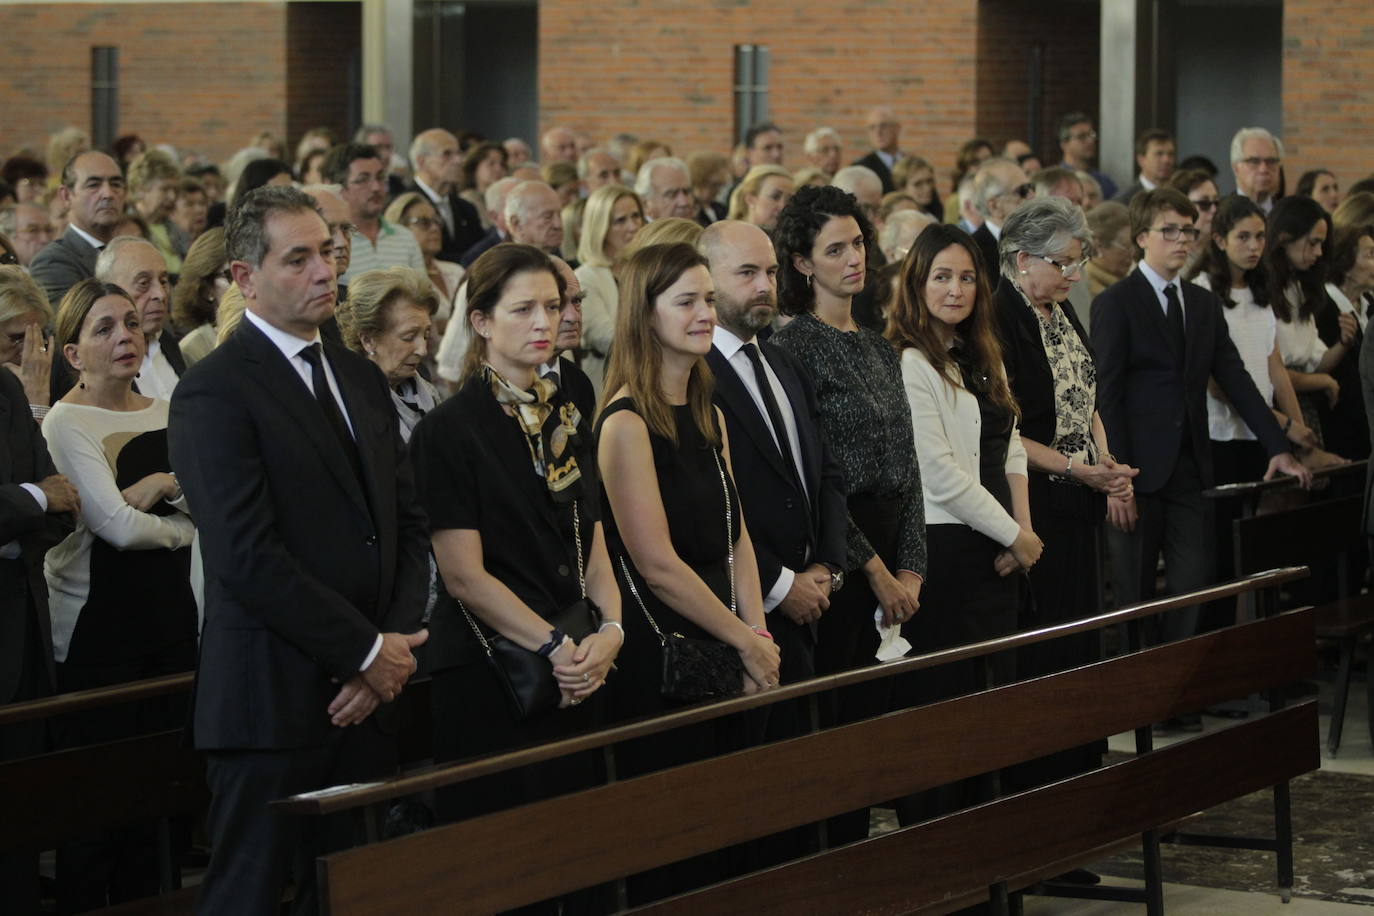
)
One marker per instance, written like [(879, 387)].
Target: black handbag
[(527, 677), (697, 669)]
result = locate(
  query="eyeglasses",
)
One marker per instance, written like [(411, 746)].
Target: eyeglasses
[(1066, 269), (1172, 233), (1255, 162), (1083, 135), (1023, 191), (424, 222), (346, 228), (1206, 203)]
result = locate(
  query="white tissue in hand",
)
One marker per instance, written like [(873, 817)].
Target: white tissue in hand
[(891, 645)]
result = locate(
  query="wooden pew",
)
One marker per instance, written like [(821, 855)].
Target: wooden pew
[(515, 857), (1310, 534)]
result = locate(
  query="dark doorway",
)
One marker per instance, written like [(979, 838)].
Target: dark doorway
[(477, 67)]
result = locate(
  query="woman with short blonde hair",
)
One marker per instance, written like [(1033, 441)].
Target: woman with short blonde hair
[(760, 197), (153, 178)]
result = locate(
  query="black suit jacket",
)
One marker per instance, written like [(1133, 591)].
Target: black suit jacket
[(1367, 389), (63, 263), (490, 240), (304, 563), (987, 247), (1126, 193), (578, 387), (875, 162), (61, 378), (1147, 391), (786, 528), (467, 226), (24, 459)]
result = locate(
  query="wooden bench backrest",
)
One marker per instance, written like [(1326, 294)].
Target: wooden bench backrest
[(929, 865), (1301, 536), (519, 856)]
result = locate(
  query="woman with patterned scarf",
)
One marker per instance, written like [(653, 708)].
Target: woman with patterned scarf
[(506, 472)]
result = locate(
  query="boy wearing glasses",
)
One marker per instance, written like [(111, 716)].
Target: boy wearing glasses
[(1158, 340)]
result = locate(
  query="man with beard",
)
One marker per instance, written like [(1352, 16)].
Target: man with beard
[(359, 171), (791, 485)]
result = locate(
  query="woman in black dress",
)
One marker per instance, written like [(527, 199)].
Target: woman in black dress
[(822, 239), (674, 529), (505, 471)]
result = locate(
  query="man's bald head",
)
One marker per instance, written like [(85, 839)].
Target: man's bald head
[(437, 161), (744, 268), (559, 144)]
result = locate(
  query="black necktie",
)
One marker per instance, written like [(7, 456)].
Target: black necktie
[(330, 408), (770, 403), (1175, 318)]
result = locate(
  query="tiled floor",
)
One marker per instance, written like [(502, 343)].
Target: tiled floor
[(1182, 900)]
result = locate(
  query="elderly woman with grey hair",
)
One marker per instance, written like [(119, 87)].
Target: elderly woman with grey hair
[(387, 318), (1044, 246)]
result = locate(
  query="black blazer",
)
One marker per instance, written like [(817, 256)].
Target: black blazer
[(1126, 193), (783, 531), (1367, 389), (987, 247), (24, 459), (63, 263), (1147, 391), (61, 378), (875, 162), (467, 226), (472, 471), (475, 251), (1028, 366), (578, 387), (304, 563)]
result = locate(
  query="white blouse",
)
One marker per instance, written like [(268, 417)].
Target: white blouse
[(1253, 329), (599, 307), (1299, 345)]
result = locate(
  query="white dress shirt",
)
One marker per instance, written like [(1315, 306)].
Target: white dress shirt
[(1158, 283), (156, 377), (732, 348), (440, 202), (291, 347)]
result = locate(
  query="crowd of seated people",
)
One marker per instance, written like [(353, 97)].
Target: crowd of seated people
[(658, 429)]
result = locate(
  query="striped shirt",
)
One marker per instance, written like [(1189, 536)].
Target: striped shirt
[(395, 248)]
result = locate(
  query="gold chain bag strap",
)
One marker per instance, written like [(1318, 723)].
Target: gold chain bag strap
[(526, 677), (698, 669)]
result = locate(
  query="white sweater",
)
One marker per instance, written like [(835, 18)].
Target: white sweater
[(85, 443), (947, 423)]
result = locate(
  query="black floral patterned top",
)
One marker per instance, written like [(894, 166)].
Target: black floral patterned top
[(1075, 385), (863, 410)]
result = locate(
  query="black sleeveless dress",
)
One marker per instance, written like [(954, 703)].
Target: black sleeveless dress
[(689, 483)]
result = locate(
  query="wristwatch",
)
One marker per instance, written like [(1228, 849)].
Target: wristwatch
[(836, 578)]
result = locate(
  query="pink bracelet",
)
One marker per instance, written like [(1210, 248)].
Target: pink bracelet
[(760, 631)]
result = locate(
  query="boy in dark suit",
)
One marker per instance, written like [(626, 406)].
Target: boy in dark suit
[(1158, 339)]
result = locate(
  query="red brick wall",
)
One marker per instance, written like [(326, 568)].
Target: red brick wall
[(322, 41), (663, 69), (1008, 30), (200, 76), (1328, 67)]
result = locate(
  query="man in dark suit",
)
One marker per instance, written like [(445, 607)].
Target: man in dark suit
[(1158, 340), (1155, 154), (569, 377), (438, 165), (35, 513), (791, 486), (999, 188), (886, 133), (314, 552), (500, 231), (138, 268), (790, 483), (93, 188)]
